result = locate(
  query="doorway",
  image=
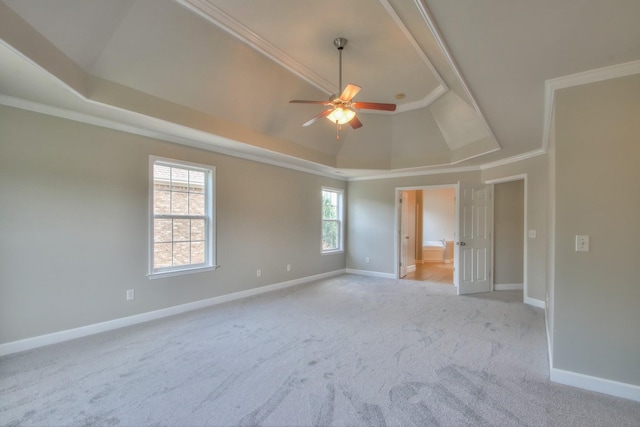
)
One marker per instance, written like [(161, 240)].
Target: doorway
[(427, 234), (473, 254), (511, 234)]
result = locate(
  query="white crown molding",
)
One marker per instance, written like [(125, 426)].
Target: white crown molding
[(577, 79), (401, 25), (217, 17), (428, 19), (227, 23), (399, 173), (425, 102), (512, 159), (196, 139)]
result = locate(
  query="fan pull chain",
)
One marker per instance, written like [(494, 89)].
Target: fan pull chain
[(337, 131)]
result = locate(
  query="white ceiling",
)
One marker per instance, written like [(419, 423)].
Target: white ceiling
[(218, 74)]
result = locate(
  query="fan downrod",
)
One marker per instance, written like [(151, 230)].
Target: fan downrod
[(340, 43)]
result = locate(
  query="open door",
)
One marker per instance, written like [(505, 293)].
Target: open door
[(473, 252)]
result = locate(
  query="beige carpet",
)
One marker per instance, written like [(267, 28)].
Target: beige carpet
[(347, 351)]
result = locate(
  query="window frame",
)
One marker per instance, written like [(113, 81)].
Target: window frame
[(209, 217), (340, 220)]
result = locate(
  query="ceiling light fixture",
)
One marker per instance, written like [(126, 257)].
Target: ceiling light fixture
[(341, 115), (340, 106)]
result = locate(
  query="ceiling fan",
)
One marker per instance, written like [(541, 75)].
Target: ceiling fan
[(341, 108)]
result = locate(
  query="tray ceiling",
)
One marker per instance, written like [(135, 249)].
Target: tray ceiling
[(218, 74)]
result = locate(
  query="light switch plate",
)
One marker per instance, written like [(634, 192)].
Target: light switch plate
[(582, 243), (532, 234)]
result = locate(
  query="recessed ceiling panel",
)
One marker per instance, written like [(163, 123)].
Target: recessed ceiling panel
[(381, 56)]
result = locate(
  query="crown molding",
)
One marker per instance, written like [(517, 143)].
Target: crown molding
[(183, 135), (404, 173), (433, 28), (227, 23), (578, 79), (220, 19), (425, 102), (513, 159), (402, 26)]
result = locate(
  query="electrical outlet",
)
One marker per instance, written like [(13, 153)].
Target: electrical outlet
[(288, 267), (366, 260), (130, 294), (532, 234), (259, 272)]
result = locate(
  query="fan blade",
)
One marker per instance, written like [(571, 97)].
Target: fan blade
[(325, 113), (355, 123), (349, 92), (374, 106), (299, 101)]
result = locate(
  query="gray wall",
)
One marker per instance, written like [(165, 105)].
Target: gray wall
[(74, 225), (508, 218), (371, 217), (597, 293)]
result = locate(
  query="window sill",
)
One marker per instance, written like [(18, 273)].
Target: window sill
[(181, 272), (337, 251)]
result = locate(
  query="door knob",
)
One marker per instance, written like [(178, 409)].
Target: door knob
[(461, 243)]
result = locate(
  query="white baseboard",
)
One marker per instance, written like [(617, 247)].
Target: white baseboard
[(411, 268), (508, 287), (534, 302), (371, 273), (83, 331), (601, 385)]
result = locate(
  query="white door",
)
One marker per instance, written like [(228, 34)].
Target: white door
[(473, 252), (403, 233)]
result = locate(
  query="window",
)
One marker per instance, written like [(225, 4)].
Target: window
[(182, 223), (332, 230)]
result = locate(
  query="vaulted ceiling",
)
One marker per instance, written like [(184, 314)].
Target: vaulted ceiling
[(467, 76)]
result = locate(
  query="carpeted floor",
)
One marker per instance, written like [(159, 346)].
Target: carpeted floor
[(346, 351)]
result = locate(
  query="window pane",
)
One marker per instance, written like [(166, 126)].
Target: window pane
[(181, 253), (330, 235), (161, 175), (329, 205), (196, 204), (179, 203), (197, 253), (179, 179), (197, 229), (162, 230), (161, 202), (196, 182), (180, 191), (330, 212), (161, 255), (181, 230)]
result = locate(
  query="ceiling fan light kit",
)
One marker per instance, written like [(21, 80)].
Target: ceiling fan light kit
[(341, 108), (341, 115)]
